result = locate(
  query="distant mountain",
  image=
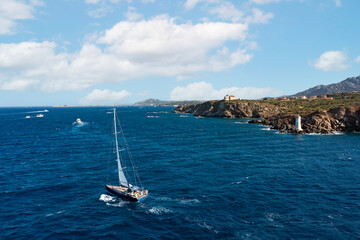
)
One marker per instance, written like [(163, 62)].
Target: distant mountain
[(348, 85), (157, 102)]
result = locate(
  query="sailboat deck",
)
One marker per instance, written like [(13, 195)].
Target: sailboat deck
[(138, 194)]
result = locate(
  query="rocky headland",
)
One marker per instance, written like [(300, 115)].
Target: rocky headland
[(338, 112)]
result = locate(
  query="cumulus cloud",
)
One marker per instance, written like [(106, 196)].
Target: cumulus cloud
[(190, 4), (259, 16), (331, 61), (132, 15), (205, 91), (357, 59), (262, 2), (227, 11), (11, 11), (129, 50), (104, 97)]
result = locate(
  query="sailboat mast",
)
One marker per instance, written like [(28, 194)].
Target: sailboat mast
[(122, 179)]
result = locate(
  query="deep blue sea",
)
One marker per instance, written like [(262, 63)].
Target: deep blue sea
[(208, 178)]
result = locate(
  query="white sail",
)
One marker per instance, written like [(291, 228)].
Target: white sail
[(122, 178)]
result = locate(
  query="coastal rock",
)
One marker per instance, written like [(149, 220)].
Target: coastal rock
[(233, 109), (344, 119)]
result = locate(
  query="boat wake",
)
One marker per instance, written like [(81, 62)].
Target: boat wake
[(153, 116), (111, 201), (79, 124)]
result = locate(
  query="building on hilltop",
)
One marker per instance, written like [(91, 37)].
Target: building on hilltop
[(229, 97)]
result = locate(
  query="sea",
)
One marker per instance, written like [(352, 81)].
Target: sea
[(208, 178)]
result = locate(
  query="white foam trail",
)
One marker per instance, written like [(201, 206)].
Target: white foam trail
[(153, 116), (159, 210), (118, 204), (189, 201), (79, 124), (107, 198)]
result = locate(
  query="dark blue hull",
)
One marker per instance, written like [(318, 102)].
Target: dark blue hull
[(121, 195)]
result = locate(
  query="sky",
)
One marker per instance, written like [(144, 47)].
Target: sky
[(105, 52)]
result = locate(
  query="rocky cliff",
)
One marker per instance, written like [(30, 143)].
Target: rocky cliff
[(342, 119), (318, 116), (230, 109)]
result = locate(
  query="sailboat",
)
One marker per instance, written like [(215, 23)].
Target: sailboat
[(125, 190)]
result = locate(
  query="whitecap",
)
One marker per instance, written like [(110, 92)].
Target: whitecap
[(159, 210), (153, 116), (189, 201), (338, 133)]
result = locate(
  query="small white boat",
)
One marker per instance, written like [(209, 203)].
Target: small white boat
[(78, 120), (40, 115), (27, 117), (46, 110)]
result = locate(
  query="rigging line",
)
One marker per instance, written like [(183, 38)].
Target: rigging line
[(108, 163), (121, 158), (136, 175)]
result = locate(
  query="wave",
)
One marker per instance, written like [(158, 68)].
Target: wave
[(159, 210), (153, 116), (80, 124), (189, 201)]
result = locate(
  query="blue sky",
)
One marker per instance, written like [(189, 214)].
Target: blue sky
[(87, 52)]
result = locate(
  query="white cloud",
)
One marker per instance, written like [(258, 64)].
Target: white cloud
[(190, 4), (11, 11), (132, 15), (331, 61), (227, 11), (338, 3), (92, 1), (129, 50), (105, 96), (357, 59), (205, 91), (262, 2), (259, 16)]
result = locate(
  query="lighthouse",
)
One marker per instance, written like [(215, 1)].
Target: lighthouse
[(298, 123)]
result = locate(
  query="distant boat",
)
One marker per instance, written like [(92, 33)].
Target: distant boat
[(27, 117), (125, 190), (46, 110), (40, 115), (78, 120)]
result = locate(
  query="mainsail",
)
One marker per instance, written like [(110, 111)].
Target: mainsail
[(122, 178)]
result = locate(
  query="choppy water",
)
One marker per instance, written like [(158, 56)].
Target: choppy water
[(207, 178)]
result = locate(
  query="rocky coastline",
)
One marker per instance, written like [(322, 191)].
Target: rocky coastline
[(339, 116)]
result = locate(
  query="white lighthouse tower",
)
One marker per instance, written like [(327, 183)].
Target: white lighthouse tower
[(298, 123)]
